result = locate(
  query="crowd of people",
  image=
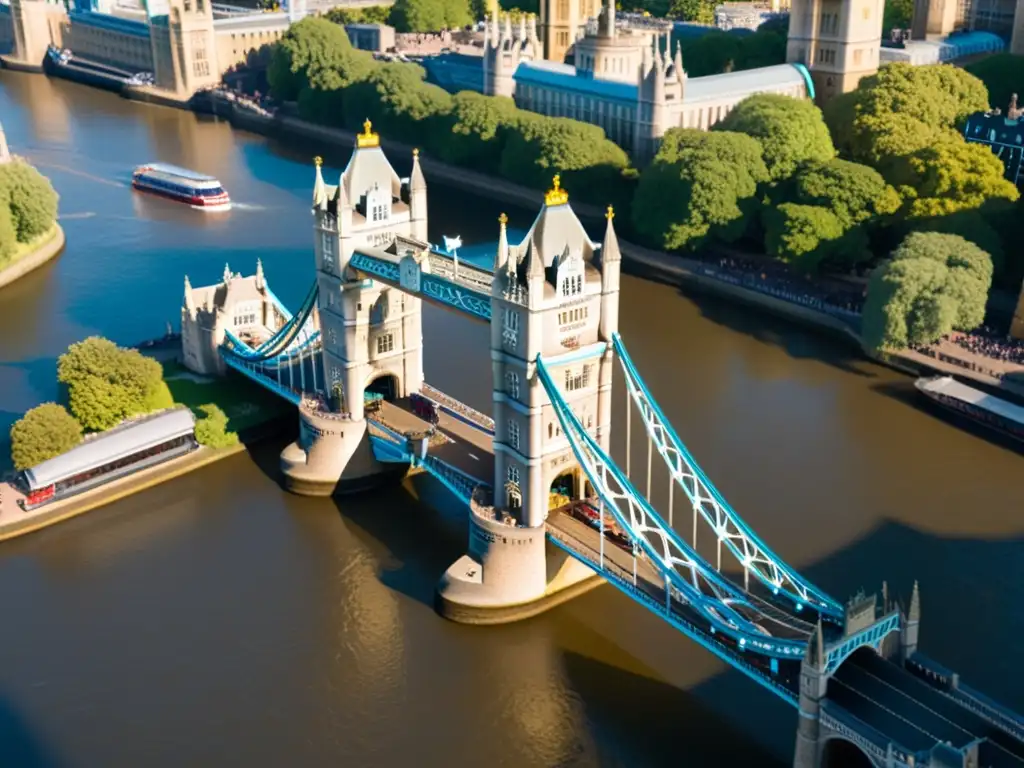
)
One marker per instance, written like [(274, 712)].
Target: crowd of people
[(988, 342), (775, 279)]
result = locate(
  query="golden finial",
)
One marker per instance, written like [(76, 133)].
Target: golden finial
[(503, 219), (416, 152), (318, 161), (367, 138), (556, 195), (610, 213)]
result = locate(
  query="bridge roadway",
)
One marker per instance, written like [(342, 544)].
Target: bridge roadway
[(467, 449), (912, 713), (618, 560)]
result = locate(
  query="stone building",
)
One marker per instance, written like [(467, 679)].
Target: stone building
[(243, 305), (625, 80)]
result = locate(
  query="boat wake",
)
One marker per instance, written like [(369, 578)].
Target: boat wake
[(247, 207), (83, 174), (73, 216)]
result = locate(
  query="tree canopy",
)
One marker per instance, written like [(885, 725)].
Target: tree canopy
[(430, 15), (697, 11), (699, 184), (715, 51), (933, 284), (854, 193), (790, 131), (107, 384), (801, 235), (28, 206), (46, 431), (8, 235), (316, 53), (897, 15), (212, 428)]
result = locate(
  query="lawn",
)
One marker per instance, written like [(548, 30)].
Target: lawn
[(24, 249), (245, 403)]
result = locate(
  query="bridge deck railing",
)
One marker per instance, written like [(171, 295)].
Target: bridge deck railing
[(458, 409), (646, 592)]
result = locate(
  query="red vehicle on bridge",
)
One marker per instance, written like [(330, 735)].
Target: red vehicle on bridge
[(425, 408)]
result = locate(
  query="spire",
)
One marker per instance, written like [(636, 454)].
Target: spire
[(610, 248), (915, 605), (367, 139), (885, 598), (260, 280), (522, 27), (319, 188), (495, 29), (227, 274), (5, 153), (678, 62), (501, 255), (556, 195), (416, 180), (819, 645), (531, 28), (607, 19), (189, 302), (507, 31)]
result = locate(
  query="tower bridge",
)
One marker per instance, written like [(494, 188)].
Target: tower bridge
[(550, 513)]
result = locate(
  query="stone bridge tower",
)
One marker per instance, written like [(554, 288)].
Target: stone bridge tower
[(555, 295), (372, 334)]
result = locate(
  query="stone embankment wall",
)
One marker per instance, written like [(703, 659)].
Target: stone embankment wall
[(46, 251)]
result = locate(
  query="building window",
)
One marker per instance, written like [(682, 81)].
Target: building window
[(510, 332), (335, 374), (513, 474), (512, 384), (572, 285), (332, 336), (385, 343), (857, 56), (577, 379), (513, 434), (327, 246)]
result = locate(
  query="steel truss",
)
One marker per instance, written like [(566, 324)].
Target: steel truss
[(682, 568), (730, 529)]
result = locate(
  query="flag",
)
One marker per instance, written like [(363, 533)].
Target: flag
[(452, 244)]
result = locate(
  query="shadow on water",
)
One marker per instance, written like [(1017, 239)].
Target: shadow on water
[(795, 339), (18, 745), (645, 721), (420, 541)]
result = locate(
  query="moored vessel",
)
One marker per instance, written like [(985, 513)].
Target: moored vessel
[(180, 184), (987, 411)]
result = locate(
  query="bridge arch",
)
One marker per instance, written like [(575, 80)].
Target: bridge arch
[(384, 383), (839, 752)]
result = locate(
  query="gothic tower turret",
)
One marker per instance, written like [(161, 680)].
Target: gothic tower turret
[(417, 199), (813, 690), (910, 626)]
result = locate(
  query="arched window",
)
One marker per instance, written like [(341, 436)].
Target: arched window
[(513, 433)]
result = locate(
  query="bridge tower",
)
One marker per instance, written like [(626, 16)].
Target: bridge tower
[(372, 335), (555, 296), (813, 690)]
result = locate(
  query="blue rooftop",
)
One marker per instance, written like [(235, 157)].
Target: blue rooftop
[(112, 23), (552, 74), (455, 72)]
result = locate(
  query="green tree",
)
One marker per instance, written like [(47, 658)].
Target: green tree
[(697, 11), (952, 176), (854, 193), (790, 131), (398, 101), (801, 235), (30, 197), (107, 384), (8, 234), (212, 428), (712, 53), (700, 184), (1003, 76), (419, 15), (897, 15), (537, 147), (902, 109), (471, 133), (45, 431), (374, 14), (933, 284), (315, 53)]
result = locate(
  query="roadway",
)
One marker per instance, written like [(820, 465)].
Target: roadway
[(907, 710), (467, 449), (649, 581)]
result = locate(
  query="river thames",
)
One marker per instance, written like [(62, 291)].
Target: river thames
[(217, 620)]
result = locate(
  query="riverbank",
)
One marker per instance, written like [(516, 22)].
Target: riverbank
[(31, 256)]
